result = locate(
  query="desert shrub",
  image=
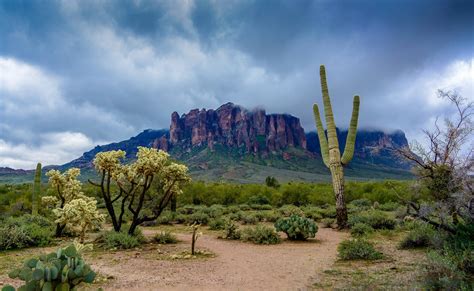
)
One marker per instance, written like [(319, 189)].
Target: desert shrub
[(419, 236), (181, 218), (361, 229), (165, 237), (199, 217), (231, 231), (375, 218), (260, 234), (452, 266), (312, 212), (232, 209), (327, 222), (218, 223), (362, 203), (389, 206), (13, 237), (328, 212), (269, 215), (244, 207), (297, 227), (25, 231), (166, 217), (120, 240), (289, 210), (236, 215), (357, 249), (64, 269), (258, 200), (249, 218), (261, 206), (215, 211)]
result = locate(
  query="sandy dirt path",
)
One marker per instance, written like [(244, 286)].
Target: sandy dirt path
[(236, 266)]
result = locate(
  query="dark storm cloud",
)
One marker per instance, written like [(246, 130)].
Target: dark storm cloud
[(96, 71)]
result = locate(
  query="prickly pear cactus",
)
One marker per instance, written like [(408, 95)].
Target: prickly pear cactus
[(61, 270), (297, 227)]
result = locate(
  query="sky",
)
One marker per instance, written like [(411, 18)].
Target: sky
[(75, 74)]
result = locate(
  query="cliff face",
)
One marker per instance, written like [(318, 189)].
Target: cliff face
[(234, 126)]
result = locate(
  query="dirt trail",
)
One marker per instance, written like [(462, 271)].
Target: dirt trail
[(237, 266)]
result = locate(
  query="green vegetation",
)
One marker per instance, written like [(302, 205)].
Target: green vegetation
[(375, 218), (260, 234), (165, 237), (25, 231), (358, 249), (61, 270), (297, 227), (120, 240), (361, 229)]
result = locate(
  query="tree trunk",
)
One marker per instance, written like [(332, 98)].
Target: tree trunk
[(338, 186), (59, 230), (173, 203)]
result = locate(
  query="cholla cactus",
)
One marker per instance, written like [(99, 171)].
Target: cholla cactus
[(80, 215), (195, 236), (134, 181), (72, 208), (330, 147)]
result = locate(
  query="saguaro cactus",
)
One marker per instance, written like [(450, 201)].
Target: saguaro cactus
[(36, 190), (330, 147)]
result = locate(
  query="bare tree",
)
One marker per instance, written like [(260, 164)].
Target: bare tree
[(445, 167)]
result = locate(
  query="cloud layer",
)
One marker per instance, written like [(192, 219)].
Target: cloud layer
[(78, 73)]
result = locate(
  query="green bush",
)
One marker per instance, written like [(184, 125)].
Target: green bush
[(357, 249), (165, 237), (452, 266), (236, 215), (120, 240), (289, 210), (312, 212), (297, 227), (249, 218), (362, 203), (328, 212), (260, 234), (261, 206), (375, 218), (269, 215), (231, 231), (215, 211), (419, 236), (13, 237), (199, 217), (389, 206), (60, 270), (361, 229), (327, 222), (167, 217), (218, 223), (25, 231)]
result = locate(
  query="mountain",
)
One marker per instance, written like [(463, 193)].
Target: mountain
[(232, 143)]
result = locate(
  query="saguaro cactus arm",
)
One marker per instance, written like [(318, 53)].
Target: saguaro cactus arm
[(323, 142), (351, 135), (331, 126)]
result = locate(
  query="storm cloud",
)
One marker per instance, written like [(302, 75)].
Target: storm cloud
[(74, 74)]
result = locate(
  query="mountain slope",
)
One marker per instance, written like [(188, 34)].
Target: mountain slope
[(232, 143)]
